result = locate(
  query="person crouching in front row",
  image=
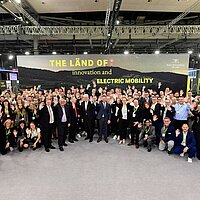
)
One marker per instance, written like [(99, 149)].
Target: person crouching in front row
[(147, 135), (185, 143), (167, 136)]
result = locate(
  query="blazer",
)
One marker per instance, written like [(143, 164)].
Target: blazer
[(44, 116), (169, 135), (88, 114), (104, 112), (60, 114), (136, 116), (129, 111), (151, 133), (169, 113), (190, 139)]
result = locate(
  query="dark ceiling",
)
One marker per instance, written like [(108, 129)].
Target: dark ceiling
[(96, 45)]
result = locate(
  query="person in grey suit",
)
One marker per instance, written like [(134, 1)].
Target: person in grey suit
[(147, 135), (104, 117)]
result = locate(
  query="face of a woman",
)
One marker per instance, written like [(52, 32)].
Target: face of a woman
[(5, 104), (22, 125), (32, 126)]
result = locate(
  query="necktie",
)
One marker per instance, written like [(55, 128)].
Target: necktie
[(50, 114), (75, 111)]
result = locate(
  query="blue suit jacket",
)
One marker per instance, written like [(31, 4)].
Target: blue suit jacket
[(106, 112), (190, 139)]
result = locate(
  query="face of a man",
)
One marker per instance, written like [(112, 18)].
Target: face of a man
[(48, 102), (185, 128), (147, 123), (86, 98), (135, 102), (104, 99), (181, 100), (167, 103), (62, 102), (167, 122), (154, 100)]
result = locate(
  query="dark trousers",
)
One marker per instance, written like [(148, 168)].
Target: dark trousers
[(123, 125), (73, 130), (46, 135), (197, 137), (179, 149), (89, 127), (103, 128), (114, 125), (62, 133), (134, 134), (147, 143), (179, 123)]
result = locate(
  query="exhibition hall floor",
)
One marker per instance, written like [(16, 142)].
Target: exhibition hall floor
[(91, 171)]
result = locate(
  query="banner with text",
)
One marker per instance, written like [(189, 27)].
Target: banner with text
[(52, 71)]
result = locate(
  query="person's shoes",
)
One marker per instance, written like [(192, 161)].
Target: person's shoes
[(11, 149), (130, 144), (34, 148), (118, 138), (91, 140), (115, 137), (52, 147), (189, 160), (169, 152), (71, 141), (47, 149), (79, 135), (87, 138), (137, 146), (149, 149), (121, 142), (76, 140), (65, 144), (182, 155), (99, 140), (106, 140), (124, 141), (61, 148)]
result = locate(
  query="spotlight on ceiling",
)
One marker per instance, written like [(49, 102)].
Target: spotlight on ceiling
[(27, 53), (157, 52), (126, 52), (10, 57), (85, 52), (54, 52), (190, 52), (18, 1)]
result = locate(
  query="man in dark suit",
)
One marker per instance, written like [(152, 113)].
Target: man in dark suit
[(145, 98), (104, 117), (168, 111), (63, 122), (74, 120), (136, 119), (167, 136), (88, 117), (46, 122), (185, 143)]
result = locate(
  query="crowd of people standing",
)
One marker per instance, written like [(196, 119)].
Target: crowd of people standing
[(163, 118)]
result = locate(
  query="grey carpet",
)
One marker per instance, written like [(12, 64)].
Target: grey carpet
[(91, 171)]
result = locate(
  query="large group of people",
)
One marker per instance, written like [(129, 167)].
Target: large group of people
[(149, 118)]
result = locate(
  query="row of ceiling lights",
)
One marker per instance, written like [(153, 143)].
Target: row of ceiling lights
[(126, 52)]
